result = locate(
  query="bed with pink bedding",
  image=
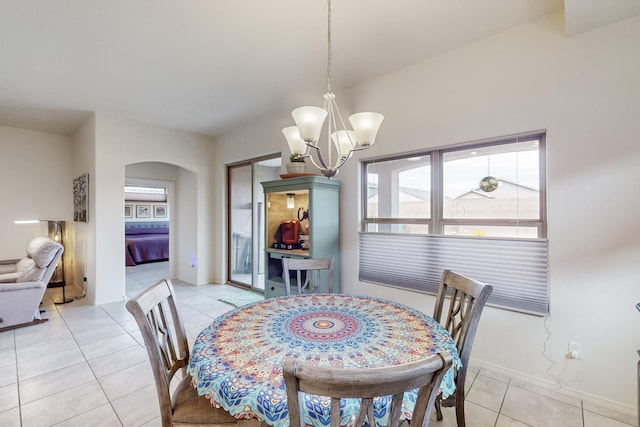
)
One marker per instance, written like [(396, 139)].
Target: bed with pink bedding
[(146, 242)]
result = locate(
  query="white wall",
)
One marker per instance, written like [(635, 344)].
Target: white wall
[(36, 182), (119, 142), (585, 91), (147, 172), (83, 233), (186, 234)]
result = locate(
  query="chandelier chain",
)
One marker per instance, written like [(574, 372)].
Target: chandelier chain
[(329, 45)]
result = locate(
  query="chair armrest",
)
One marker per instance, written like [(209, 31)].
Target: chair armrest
[(10, 287), (9, 277), (8, 266)]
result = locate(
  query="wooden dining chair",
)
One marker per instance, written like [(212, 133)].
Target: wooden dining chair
[(337, 383), (466, 299), (307, 273), (156, 314)]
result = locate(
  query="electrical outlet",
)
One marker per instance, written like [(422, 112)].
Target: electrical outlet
[(575, 350)]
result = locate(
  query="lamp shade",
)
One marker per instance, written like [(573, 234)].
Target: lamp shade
[(291, 201), (344, 141), (309, 120), (296, 144), (366, 126), (26, 221)]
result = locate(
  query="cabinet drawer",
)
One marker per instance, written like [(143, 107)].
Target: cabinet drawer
[(288, 254)]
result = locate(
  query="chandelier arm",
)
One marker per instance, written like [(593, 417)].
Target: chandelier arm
[(340, 160), (337, 112), (322, 164), (343, 160), (359, 148), (331, 124)]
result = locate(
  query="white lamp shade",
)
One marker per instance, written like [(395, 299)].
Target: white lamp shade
[(296, 144), (309, 121), (344, 141), (291, 202), (366, 126)]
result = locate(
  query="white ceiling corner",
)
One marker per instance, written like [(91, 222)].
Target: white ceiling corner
[(586, 15)]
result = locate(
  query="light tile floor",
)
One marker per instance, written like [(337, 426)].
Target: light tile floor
[(86, 367)]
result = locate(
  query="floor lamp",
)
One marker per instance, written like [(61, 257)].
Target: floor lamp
[(56, 232)]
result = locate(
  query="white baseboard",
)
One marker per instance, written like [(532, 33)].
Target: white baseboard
[(589, 398)]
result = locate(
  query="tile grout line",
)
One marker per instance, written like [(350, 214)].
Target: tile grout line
[(135, 391), (90, 368), (15, 356)]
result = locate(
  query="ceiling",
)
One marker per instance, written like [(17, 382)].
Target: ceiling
[(206, 66)]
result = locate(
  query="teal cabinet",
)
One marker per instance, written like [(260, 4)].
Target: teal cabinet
[(312, 201)]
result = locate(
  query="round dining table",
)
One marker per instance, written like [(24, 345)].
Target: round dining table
[(236, 362)]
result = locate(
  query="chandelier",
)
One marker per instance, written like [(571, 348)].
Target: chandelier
[(303, 139)]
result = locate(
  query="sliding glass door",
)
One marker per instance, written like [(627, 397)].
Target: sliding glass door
[(246, 219)]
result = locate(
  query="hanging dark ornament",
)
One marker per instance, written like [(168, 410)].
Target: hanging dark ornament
[(302, 214), (488, 184)]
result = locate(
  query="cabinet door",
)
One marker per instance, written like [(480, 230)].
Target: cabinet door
[(275, 282)]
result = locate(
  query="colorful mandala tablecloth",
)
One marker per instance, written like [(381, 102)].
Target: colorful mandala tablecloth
[(237, 361)]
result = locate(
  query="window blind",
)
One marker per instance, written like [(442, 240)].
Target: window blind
[(517, 269)]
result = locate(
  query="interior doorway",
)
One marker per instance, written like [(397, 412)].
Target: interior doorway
[(246, 223), (149, 213)]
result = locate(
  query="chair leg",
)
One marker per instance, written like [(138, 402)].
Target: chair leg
[(438, 406), (460, 409)]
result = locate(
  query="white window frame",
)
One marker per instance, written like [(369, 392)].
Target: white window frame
[(437, 222)]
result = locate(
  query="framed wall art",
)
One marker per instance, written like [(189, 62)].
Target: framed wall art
[(143, 211), (159, 211), (128, 211), (81, 198)]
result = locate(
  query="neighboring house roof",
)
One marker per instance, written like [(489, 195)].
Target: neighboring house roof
[(414, 193), (505, 187)]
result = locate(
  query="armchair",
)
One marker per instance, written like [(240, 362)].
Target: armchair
[(24, 282)]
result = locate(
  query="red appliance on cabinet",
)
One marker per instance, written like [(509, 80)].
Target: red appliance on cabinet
[(289, 231)]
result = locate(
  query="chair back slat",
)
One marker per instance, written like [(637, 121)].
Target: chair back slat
[(366, 384), (466, 298), (310, 281), (165, 339)]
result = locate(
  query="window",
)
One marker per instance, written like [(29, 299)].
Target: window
[(145, 194), (478, 209), (477, 190)]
